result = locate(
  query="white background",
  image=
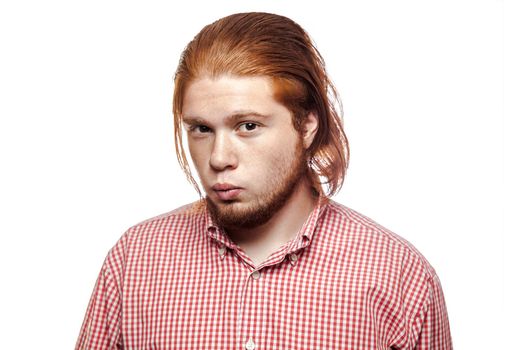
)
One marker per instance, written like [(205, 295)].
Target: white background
[(87, 146)]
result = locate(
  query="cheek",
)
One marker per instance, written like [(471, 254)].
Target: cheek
[(274, 155), (198, 153)]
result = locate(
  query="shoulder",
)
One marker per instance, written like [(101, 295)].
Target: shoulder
[(395, 268), (377, 239), (176, 219), (174, 225)]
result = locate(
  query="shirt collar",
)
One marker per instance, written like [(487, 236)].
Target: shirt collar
[(215, 232), (303, 239), (306, 233)]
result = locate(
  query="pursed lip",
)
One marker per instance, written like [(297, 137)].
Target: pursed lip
[(224, 187), (226, 191)]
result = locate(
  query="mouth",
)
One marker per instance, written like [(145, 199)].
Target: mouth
[(226, 192)]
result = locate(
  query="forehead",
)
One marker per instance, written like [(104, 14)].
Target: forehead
[(208, 97)]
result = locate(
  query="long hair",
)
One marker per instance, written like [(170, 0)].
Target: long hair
[(263, 44)]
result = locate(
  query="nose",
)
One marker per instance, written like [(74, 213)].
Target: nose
[(223, 155)]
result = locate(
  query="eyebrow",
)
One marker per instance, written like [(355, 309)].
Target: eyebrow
[(232, 118)]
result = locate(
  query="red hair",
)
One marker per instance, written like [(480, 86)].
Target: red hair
[(263, 44)]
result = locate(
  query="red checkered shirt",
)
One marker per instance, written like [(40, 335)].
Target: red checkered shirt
[(176, 281)]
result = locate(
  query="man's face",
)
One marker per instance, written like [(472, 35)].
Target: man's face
[(245, 149)]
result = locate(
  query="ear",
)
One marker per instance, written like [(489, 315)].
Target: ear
[(310, 126)]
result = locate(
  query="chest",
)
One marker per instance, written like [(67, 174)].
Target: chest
[(214, 299)]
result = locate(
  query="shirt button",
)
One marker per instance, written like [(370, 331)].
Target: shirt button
[(250, 345), (293, 259), (256, 275), (222, 251)]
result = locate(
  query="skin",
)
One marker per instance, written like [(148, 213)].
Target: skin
[(239, 135)]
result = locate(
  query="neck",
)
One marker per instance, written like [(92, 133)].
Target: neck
[(259, 242)]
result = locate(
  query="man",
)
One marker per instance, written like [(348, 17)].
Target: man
[(265, 260)]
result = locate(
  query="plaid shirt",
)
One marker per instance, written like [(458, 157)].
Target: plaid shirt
[(176, 281)]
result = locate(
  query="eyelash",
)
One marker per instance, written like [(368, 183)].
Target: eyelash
[(249, 123), (196, 128)]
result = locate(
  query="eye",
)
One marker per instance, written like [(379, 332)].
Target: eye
[(201, 129), (248, 127)]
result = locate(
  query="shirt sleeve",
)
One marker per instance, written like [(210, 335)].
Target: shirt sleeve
[(101, 328), (431, 326)]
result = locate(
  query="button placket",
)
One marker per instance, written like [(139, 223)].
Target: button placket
[(251, 305)]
